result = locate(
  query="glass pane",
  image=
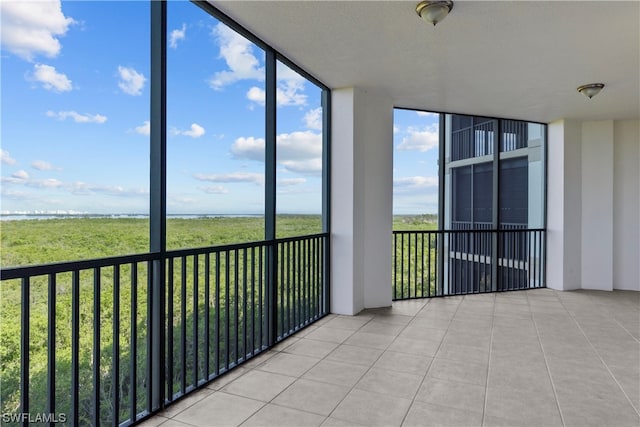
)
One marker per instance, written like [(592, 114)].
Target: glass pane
[(75, 153), (215, 132), (298, 154), (415, 169)]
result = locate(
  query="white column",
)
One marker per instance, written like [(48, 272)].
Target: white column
[(361, 200), (597, 205), (626, 205), (564, 205)]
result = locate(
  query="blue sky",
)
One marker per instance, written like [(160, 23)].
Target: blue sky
[(75, 116)]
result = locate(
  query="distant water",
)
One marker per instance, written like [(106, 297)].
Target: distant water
[(12, 217)]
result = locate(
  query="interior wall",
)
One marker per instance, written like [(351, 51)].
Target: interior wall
[(626, 205), (593, 205), (597, 205)]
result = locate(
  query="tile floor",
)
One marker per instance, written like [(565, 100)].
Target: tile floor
[(528, 358)]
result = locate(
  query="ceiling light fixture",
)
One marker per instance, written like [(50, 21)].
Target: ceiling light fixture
[(590, 90), (434, 11)]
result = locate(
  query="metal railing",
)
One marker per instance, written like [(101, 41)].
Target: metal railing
[(477, 141), (92, 359), (455, 262)]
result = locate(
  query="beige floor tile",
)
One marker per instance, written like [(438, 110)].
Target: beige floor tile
[(468, 397), (226, 378), (390, 383), (311, 348), (355, 355), (422, 333), (463, 353), (423, 414), (369, 340), (312, 396), (453, 370), (292, 365), (176, 423), (338, 373), (335, 335), (334, 422), (185, 402), (416, 347), (220, 409), (597, 409), (153, 421), (274, 415), (345, 322), (376, 327), (523, 406), (403, 362), (393, 319), (372, 409), (259, 385), (467, 339)]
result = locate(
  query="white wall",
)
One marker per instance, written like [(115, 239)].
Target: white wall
[(564, 205), (361, 200), (593, 205), (597, 205), (626, 205)]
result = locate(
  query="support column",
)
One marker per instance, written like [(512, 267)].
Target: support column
[(564, 205), (361, 200), (597, 205)]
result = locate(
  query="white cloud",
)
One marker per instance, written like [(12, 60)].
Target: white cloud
[(299, 152), (287, 94), (77, 117), (257, 95), (29, 28), (415, 182), (144, 129), (80, 188), (51, 79), (235, 177), (36, 183), (12, 194), (237, 52), (21, 174), (215, 189), (195, 131), (41, 165), (6, 158), (287, 182), (289, 90), (426, 114), (177, 35), (131, 82), (313, 119), (420, 139)]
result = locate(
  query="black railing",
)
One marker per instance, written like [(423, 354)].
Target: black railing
[(473, 141), (456, 262), (90, 360), (478, 140), (515, 135)]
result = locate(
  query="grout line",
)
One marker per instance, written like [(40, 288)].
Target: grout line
[(595, 350), (546, 364), (413, 399), (486, 387)]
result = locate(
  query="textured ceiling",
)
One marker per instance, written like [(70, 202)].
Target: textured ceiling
[(517, 59)]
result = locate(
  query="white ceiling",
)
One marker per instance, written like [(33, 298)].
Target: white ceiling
[(516, 59)]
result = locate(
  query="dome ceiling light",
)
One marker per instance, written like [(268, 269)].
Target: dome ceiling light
[(434, 11), (590, 90)]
